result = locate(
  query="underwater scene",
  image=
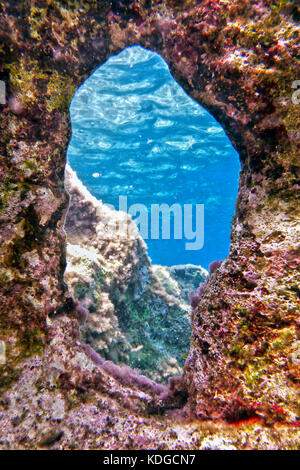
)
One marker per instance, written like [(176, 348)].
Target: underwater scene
[(138, 141), (136, 133), (149, 229)]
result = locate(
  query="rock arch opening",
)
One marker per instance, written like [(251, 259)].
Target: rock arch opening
[(137, 136), (238, 59)]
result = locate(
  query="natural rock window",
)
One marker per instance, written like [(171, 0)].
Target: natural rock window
[(138, 135), (238, 59)]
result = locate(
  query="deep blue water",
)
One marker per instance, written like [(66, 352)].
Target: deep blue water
[(149, 141)]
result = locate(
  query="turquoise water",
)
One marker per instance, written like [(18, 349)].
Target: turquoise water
[(136, 133)]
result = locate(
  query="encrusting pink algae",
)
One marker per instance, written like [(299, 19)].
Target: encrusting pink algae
[(240, 384)]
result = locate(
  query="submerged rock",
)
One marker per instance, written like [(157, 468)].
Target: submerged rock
[(240, 61), (138, 313), (180, 280)]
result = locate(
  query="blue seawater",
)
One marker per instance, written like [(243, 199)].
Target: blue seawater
[(136, 127)]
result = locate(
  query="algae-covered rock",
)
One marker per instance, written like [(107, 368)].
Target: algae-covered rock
[(181, 280), (138, 313), (238, 59)]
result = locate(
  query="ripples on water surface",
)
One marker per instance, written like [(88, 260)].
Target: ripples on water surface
[(136, 127)]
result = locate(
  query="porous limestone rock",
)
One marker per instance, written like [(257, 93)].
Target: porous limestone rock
[(239, 59)]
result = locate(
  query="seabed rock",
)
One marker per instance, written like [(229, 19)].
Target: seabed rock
[(241, 378)]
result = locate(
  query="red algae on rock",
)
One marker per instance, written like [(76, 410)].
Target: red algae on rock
[(238, 59)]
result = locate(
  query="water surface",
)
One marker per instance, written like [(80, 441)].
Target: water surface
[(136, 133)]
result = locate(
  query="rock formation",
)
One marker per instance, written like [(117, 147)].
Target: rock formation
[(238, 59), (137, 314)]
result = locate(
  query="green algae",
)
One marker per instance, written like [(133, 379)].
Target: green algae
[(155, 338), (24, 75), (257, 362), (8, 376), (81, 289), (27, 76), (38, 17), (60, 90), (30, 342), (284, 342)]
